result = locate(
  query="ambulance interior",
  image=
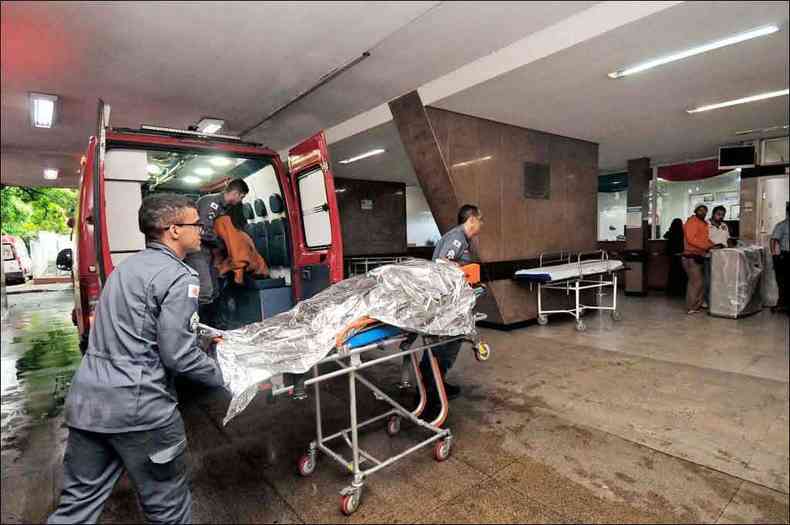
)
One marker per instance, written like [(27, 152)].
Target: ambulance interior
[(131, 174)]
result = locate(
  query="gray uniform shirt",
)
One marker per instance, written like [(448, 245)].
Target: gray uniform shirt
[(209, 208), (142, 337), (782, 234), (453, 246)]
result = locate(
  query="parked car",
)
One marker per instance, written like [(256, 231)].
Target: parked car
[(17, 264), (291, 213)]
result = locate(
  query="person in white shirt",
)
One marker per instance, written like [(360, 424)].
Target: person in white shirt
[(719, 235)]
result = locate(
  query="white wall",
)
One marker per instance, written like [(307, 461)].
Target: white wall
[(44, 250), (420, 225)]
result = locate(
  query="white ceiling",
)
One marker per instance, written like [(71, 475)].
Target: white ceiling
[(569, 93), (171, 63)]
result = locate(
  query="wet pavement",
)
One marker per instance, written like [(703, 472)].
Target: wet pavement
[(648, 420)]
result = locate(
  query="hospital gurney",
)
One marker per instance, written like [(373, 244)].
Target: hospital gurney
[(363, 336), (590, 270)]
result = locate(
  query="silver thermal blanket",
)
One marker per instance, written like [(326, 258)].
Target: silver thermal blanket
[(418, 296)]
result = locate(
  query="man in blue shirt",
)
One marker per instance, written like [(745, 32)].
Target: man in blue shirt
[(780, 249)]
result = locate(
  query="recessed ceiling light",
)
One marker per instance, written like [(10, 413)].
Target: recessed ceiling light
[(210, 125), (42, 110), (203, 171), (220, 161), (740, 37), (363, 156), (50, 174), (744, 100), (153, 169), (189, 179)]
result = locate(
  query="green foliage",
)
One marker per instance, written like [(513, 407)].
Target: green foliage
[(27, 211)]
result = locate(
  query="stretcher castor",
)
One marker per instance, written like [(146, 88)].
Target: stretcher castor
[(580, 326), (306, 465), (442, 449), (349, 503), (616, 316), (543, 320), (482, 352)]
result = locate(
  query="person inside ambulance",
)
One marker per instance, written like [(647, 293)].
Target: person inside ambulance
[(209, 208)]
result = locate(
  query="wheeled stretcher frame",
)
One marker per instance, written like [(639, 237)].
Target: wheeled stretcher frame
[(351, 365), (576, 285)]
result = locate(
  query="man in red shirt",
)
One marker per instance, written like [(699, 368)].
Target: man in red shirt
[(697, 244)]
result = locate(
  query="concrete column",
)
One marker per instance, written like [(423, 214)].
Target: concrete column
[(639, 175)]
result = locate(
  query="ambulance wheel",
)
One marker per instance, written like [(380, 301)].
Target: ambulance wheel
[(482, 352), (543, 320), (393, 425), (349, 503), (580, 326), (306, 465), (616, 316), (442, 449)]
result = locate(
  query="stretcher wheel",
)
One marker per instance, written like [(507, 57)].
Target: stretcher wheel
[(306, 465), (442, 449), (616, 316), (543, 320), (393, 425), (349, 503), (482, 352), (580, 326)]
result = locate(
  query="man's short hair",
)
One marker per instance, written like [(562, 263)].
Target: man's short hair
[(698, 206), (466, 211), (719, 208), (237, 185), (159, 210)]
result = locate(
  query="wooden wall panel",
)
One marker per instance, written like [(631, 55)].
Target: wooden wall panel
[(381, 230)]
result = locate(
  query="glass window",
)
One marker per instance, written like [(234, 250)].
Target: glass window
[(612, 201), (678, 199)]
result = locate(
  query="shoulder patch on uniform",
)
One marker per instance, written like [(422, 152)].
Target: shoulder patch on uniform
[(450, 254), (193, 291), (457, 243), (214, 205)]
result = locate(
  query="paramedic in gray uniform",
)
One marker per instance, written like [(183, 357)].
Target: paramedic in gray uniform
[(454, 247), (210, 207), (121, 407)]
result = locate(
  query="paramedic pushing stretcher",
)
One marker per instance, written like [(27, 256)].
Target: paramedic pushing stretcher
[(121, 409), (209, 208), (454, 247)]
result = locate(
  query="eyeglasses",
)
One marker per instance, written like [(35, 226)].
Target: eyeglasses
[(197, 224)]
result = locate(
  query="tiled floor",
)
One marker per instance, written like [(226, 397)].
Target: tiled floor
[(658, 418)]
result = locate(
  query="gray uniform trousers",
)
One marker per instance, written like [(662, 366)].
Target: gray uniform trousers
[(154, 459), (202, 263)]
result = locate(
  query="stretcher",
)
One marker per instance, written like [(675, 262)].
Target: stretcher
[(367, 337), (559, 271)]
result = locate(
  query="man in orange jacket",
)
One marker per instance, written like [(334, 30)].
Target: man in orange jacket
[(697, 244)]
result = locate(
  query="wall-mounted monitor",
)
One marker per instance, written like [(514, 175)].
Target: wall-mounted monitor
[(738, 156)]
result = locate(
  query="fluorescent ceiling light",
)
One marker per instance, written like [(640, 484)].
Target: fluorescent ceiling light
[(189, 179), (210, 125), (42, 110), (153, 169), (204, 171), (363, 156), (763, 130), (744, 100), (473, 161), (220, 161), (50, 174), (740, 37)]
